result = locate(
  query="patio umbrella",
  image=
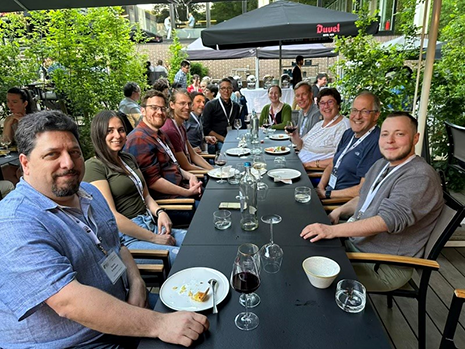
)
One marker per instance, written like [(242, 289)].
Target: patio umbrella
[(282, 23), (197, 52), (402, 45)]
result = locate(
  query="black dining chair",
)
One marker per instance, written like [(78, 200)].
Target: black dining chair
[(447, 341), (451, 216), (456, 155)]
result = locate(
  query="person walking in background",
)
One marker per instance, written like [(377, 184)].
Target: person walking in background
[(190, 24), (297, 72), (167, 24), (320, 82), (180, 79)]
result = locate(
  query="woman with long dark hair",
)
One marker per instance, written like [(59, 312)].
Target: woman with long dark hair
[(141, 222), (19, 104)]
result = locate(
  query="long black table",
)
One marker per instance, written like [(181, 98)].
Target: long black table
[(293, 313)]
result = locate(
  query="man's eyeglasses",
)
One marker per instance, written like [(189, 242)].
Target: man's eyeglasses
[(184, 104), (157, 108), (329, 103), (226, 88), (364, 112)]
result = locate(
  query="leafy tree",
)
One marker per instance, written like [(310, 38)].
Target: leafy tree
[(364, 66), (177, 56), (222, 11), (16, 69), (199, 69), (447, 94)]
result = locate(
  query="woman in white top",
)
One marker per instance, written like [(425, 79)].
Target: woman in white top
[(318, 146)]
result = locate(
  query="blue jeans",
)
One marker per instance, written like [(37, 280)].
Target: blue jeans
[(146, 222), (213, 148)]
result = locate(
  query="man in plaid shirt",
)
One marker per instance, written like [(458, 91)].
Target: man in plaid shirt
[(154, 153)]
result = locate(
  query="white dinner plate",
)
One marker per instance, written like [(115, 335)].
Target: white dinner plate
[(238, 151), (218, 174), (284, 173), (277, 150), (280, 137), (174, 293)]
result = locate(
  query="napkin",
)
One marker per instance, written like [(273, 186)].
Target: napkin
[(284, 180)]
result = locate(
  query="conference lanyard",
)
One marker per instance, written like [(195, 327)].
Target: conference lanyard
[(377, 184), (351, 147), (224, 110), (167, 149), (139, 186)]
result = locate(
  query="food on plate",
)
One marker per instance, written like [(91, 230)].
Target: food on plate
[(276, 149), (199, 296)]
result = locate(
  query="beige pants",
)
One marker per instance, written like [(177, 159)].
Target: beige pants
[(385, 278)]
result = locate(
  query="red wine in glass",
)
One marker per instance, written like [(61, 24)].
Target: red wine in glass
[(290, 129), (245, 282), (220, 162), (266, 125)]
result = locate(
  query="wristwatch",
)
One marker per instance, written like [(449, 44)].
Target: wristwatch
[(157, 213), (328, 194)]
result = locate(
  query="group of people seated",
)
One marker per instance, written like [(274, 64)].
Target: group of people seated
[(65, 244)]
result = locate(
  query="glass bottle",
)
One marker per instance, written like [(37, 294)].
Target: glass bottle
[(254, 121), (248, 199)]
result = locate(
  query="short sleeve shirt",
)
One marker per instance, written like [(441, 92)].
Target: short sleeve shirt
[(43, 250), (177, 136), (356, 163), (125, 195)]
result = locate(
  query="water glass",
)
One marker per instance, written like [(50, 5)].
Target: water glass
[(262, 191), (280, 162), (302, 194), (239, 171), (222, 219), (350, 296)]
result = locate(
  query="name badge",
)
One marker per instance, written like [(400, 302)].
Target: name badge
[(113, 266), (332, 181)]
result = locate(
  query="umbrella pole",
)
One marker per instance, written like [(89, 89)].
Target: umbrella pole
[(430, 53), (257, 72), (280, 62)]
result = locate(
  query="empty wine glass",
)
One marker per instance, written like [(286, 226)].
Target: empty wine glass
[(237, 126), (220, 161), (252, 299), (5, 142), (271, 254), (245, 279)]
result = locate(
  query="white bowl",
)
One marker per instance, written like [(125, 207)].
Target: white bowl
[(321, 271)]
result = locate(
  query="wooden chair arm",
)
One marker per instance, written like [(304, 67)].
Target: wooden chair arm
[(315, 174), (175, 201), (460, 293), (177, 207), (314, 169), (199, 171), (329, 208), (330, 201), (208, 156), (149, 254), (393, 259), (150, 268)]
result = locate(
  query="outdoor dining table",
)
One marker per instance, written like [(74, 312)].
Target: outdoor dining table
[(292, 313)]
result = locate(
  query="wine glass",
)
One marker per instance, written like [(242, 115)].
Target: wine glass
[(245, 279), (290, 128), (252, 299), (237, 126), (271, 254), (266, 125), (220, 161), (5, 142)]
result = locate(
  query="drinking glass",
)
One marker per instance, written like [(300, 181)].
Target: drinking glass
[(271, 254), (290, 128), (237, 126), (350, 296), (266, 125), (220, 160), (5, 142), (245, 278), (302, 194), (222, 219), (252, 299)]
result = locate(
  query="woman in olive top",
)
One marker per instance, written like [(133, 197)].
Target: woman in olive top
[(141, 222), (276, 114)]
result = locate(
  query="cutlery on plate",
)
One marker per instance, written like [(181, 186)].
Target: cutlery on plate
[(213, 283)]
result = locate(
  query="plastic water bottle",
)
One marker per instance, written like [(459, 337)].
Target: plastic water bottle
[(255, 126), (248, 199)]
